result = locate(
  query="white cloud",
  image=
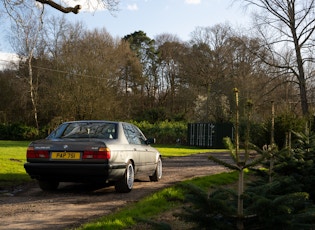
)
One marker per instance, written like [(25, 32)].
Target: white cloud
[(133, 7), (195, 2), (7, 60)]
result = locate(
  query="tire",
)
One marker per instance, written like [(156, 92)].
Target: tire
[(48, 185), (125, 185), (158, 171)]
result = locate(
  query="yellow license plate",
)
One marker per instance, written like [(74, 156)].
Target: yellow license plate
[(66, 155)]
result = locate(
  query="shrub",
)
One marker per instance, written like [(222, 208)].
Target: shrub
[(165, 132), (285, 123), (260, 132), (17, 131)]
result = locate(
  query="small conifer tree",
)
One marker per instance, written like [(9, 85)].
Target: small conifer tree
[(281, 196)]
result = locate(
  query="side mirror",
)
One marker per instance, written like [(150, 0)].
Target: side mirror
[(150, 141)]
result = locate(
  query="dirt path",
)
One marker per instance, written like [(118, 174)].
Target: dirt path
[(73, 204)]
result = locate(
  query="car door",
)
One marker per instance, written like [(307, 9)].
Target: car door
[(137, 143), (134, 146), (148, 155)]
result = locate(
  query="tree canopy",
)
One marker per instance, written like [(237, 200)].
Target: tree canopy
[(287, 31), (67, 71)]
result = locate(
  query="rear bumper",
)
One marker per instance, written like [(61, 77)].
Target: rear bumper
[(74, 172)]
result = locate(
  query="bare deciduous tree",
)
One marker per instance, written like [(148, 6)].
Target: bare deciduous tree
[(25, 39), (89, 88), (170, 48), (207, 63), (287, 27), (110, 5)]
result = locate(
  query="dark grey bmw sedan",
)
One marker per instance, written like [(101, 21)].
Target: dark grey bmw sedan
[(93, 151)]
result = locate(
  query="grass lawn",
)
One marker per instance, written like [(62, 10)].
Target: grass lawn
[(180, 150), (12, 159), (148, 209)]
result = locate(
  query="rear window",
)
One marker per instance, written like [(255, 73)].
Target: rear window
[(101, 130)]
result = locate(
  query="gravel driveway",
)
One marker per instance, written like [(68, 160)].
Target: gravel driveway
[(27, 207)]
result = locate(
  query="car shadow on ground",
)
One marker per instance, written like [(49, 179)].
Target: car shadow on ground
[(90, 189)]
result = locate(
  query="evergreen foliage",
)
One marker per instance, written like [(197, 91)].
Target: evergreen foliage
[(280, 197), (18, 132), (285, 123), (216, 210), (285, 202), (166, 132)]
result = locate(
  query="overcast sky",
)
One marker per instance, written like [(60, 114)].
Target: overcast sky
[(154, 17)]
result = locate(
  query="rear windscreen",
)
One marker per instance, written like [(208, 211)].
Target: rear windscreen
[(101, 130)]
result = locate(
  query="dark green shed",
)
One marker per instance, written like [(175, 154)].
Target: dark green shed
[(209, 135)]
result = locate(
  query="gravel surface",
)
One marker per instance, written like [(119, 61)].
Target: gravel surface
[(28, 207)]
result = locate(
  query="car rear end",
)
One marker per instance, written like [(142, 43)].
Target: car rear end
[(78, 161)]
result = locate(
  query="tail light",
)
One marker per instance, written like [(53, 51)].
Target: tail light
[(102, 153), (32, 153)]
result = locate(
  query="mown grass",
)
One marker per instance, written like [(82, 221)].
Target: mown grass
[(12, 159), (153, 205), (179, 150)]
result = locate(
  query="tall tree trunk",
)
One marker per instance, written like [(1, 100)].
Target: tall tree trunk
[(240, 201), (303, 92), (299, 61), (33, 91)]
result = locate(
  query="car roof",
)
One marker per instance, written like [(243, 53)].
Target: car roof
[(96, 121), (81, 121)]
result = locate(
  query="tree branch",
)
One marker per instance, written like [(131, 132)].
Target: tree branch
[(74, 10)]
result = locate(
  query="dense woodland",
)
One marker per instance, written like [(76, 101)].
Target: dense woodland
[(68, 72), (84, 74)]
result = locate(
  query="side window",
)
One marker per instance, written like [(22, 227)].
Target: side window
[(57, 132), (139, 135), (133, 135)]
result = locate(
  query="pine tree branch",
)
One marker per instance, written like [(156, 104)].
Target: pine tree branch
[(223, 163)]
